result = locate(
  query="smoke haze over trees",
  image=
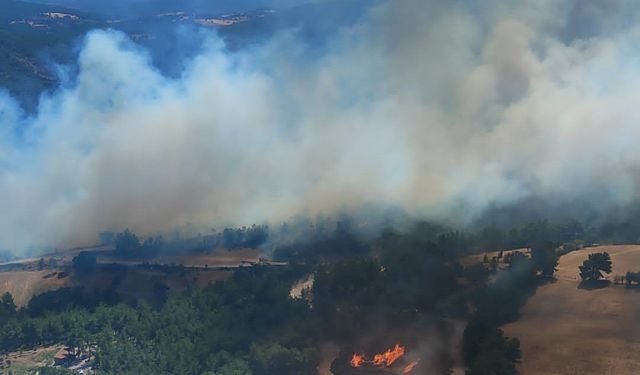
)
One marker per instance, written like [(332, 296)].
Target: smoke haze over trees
[(441, 109)]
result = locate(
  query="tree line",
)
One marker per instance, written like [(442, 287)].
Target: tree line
[(249, 325)]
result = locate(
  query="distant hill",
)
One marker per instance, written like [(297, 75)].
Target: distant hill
[(13, 9), (316, 22), (32, 35), (36, 36), (129, 9)]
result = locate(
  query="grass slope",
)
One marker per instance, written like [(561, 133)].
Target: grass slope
[(570, 331)]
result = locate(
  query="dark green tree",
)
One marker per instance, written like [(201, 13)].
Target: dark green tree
[(7, 307), (54, 371), (127, 243), (273, 358), (593, 267), (236, 366), (545, 258), (85, 261), (632, 277), (478, 274)]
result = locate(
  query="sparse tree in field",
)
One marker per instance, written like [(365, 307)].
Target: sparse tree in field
[(593, 267), (545, 258), (632, 278), (7, 307)]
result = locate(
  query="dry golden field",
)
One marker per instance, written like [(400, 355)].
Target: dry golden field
[(571, 331), (134, 282), (24, 284)]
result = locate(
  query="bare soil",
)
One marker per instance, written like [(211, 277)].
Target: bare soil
[(569, 330)]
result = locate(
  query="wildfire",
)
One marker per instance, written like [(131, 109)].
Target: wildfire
[(357, 360), (385, 359), (410, 367)]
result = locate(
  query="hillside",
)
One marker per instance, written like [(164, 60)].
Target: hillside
[(32, 37), (570, 331), (142, 8)]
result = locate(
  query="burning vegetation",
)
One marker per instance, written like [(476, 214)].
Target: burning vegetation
[(400, 307), (392, 361), (410, 367), (385, 359)]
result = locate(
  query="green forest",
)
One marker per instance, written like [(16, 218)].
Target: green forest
[(397, 282)]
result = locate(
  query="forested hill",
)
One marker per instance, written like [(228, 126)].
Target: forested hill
[(32, 37), (143, 8), (37, 38)]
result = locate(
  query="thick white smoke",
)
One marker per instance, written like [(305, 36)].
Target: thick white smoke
[(440, 108)]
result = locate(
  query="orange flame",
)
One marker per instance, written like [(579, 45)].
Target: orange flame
[(410, 367), (385, 359), (357, 360)]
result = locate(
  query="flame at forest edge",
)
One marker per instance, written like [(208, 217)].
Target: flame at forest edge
[(385, 359), (357, 360), (410, 367)]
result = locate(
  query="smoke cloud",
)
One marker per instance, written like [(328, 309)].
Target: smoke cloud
[(441, 108)]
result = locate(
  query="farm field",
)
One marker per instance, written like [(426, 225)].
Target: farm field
[(24, 284), (571, 331), (26, 280)]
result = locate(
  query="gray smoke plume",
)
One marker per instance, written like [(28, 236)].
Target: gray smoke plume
[(441, 108)]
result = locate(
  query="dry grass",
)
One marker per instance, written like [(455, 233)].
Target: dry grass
[(140, 284), (220, 258), (24, 284), (571, 331), (133, 283), (40, 356), (470, 260)]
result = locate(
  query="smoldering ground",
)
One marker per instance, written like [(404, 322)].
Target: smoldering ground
[(440, 108)]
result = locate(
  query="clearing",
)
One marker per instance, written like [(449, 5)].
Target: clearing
[(23, 279), (571, 331), (24, 284)]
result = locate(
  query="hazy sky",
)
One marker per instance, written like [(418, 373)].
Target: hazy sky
[(441, 108)]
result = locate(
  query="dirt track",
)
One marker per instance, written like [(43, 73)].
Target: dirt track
[(571, 331)]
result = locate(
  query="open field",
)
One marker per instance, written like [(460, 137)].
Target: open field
[(23, 279), (220, 259), (23, 362), (134, 283), (472, 259), (24, 284), (571, 331)]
